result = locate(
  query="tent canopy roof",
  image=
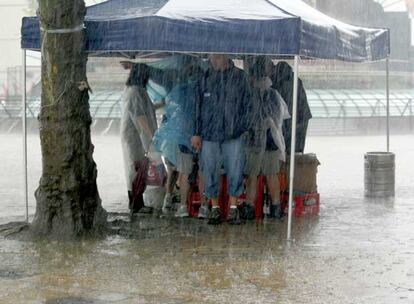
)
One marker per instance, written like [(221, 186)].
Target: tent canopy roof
[(268, 27)]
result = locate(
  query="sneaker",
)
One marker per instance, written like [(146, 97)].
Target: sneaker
[(266, 210), (247, 211), (182, 212), (168, 203), (234, 217), (214, 217), (146, 210), (203, 212), (275, 211)]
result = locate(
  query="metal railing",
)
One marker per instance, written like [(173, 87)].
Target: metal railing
[(323, 104)]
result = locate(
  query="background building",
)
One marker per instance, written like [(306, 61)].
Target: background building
[(369, 13), (342, 95)]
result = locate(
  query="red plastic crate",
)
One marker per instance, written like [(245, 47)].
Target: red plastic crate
[(194, 199), (193, 203), (223, 198), (303, 205)]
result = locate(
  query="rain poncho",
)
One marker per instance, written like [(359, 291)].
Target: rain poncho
[(136, 137), (155, 91), (266, 122), (283, 82), (178, 124), (223, 105), (170, 81), (166, 73), (160, 84)]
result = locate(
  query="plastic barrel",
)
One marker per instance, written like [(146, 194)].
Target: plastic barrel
[(379, 174)]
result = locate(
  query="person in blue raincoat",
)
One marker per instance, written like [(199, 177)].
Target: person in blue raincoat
[(181, 113), (177, 129)]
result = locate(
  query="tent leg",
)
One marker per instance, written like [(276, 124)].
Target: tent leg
[(293, 144), (387, 69), (24, 128)]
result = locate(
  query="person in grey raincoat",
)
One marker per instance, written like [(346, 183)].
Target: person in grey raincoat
[(138, 125), (265, 146)]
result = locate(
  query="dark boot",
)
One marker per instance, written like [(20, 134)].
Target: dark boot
[(276, 211), (130, 200), (137, 203), (234, 217), (247, 211), (214, 217)]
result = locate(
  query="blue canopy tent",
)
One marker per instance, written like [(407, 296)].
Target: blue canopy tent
[(269, 27), (133, 28)]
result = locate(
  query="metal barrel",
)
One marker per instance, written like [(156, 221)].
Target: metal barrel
[(379, 174)]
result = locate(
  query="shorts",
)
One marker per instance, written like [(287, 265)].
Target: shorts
[(266, 163), (170, 166), (184, 162), (231, 156)]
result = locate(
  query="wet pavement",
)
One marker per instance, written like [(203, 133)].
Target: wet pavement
[(357, 251)]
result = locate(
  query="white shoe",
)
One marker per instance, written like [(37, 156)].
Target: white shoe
[(203, 212), (182, 212), (167, 204)]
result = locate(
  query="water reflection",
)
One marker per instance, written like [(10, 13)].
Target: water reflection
[(357, 251)]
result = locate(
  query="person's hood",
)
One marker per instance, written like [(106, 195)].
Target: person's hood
[(264, 84), (284, 72), (211, 70)]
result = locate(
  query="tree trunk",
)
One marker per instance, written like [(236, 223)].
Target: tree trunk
[(68, 202)]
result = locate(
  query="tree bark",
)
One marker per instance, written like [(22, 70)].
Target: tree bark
[(68, 202)]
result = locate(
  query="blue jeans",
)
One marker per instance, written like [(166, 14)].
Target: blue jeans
[(230, 155)]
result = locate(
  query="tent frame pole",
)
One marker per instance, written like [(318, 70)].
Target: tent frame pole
[(24, 130), (293, 143), (387, 75)]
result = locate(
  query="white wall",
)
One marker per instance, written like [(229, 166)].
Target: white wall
[(11, 14)]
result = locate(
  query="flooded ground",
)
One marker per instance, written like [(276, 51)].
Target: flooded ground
[(356, 251)]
